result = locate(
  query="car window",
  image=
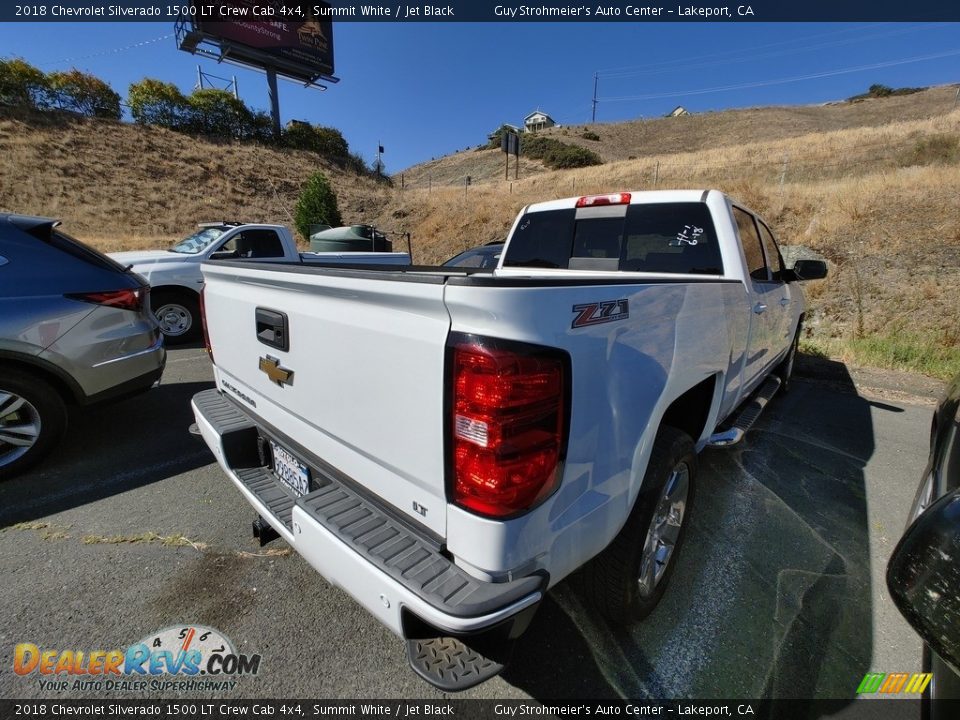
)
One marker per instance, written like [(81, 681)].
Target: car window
[(197, 242), (771, 250), (485, 257), (542, 239), (671, 238), (63, 242), (752, 249), (258, 244)]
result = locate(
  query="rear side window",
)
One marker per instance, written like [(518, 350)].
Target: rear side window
[(259, 244), (671, 238), (73, 247)]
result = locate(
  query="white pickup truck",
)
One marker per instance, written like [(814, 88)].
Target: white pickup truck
[(446, 444), (175, 277)]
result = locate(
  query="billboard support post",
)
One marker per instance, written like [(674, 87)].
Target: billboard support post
[(274, 100)]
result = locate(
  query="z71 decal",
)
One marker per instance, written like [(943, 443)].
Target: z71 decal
[(599, 312)]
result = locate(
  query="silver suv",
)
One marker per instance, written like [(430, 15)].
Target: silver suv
[(75, 328)]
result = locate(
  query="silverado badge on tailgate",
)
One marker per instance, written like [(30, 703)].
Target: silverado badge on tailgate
[(278, 374)]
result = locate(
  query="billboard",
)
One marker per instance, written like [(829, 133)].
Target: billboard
[(302, 49)]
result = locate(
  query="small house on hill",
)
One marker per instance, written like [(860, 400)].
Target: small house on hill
[(678, 111), (504, 127), (537, 120)]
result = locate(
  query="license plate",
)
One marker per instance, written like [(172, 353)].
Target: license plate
[(290, 471)]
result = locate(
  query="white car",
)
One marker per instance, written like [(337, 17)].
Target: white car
[(175, 277)]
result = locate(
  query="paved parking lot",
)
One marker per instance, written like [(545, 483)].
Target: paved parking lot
[(130, 528)]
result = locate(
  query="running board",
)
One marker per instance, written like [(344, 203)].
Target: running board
[(747, 416)]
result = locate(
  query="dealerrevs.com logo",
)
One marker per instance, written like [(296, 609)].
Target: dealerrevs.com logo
[(180, 657)]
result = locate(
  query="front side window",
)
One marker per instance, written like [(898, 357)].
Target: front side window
[(752, 249), (772, 251)]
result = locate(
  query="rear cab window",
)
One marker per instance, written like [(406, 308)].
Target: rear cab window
[(674, 237)]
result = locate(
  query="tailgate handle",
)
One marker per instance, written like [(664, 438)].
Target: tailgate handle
[(273, 329)]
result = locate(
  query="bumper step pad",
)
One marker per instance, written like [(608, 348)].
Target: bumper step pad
[(451, 665)]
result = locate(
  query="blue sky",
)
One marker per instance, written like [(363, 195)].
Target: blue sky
[(427, 89)]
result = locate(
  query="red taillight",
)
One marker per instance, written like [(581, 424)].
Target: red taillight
[(203, 324), (508, 425), (126, 299), (611, 199)]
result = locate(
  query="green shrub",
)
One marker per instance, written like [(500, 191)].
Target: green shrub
[(153, 102), (219, 114), (558, 155), (317, 204), (23, 84), (325, 141), (590, 135), (881, 91), (85, 94)]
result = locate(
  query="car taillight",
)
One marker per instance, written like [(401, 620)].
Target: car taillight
[(203, 324), (595, 200), (127, 299), (509, 424)]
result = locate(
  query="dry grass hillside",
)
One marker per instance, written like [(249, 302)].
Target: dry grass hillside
[(124, 186), (874, 186), (881, 202), (640, 139)]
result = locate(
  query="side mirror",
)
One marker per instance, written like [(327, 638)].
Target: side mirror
[(224, 255), (807, 270), (923, 577)]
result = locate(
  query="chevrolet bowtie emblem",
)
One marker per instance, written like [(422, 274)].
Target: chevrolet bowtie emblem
[(280, 375)]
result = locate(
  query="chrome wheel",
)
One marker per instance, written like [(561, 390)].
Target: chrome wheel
[(174, 319), (664, 530), (19, 427)]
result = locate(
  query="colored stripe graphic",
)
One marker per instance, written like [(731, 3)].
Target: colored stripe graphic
[(871, 683), (894, 683)]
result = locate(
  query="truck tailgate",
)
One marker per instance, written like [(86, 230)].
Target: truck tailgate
[(367, 362)]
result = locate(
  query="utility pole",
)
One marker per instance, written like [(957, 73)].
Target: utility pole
[(274, 100), (596, 82)]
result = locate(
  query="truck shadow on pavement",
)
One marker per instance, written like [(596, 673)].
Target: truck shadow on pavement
[(108, 450), (772, 596)]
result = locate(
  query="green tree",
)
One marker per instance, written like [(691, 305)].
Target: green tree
[(325, 141), (218, 113), (153, 102), (83, 93), (23, 84), (317, 204)]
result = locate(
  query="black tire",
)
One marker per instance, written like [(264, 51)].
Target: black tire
[(178, 314), (612, 580), (29, 408), (785, 369)]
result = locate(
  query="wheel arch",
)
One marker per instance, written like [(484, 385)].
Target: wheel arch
[(61, 381), (692, 410), (175, 289)]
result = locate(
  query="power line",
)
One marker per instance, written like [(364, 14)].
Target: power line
[(781, 81), (107, 52), (764, 56), (730, 52)]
